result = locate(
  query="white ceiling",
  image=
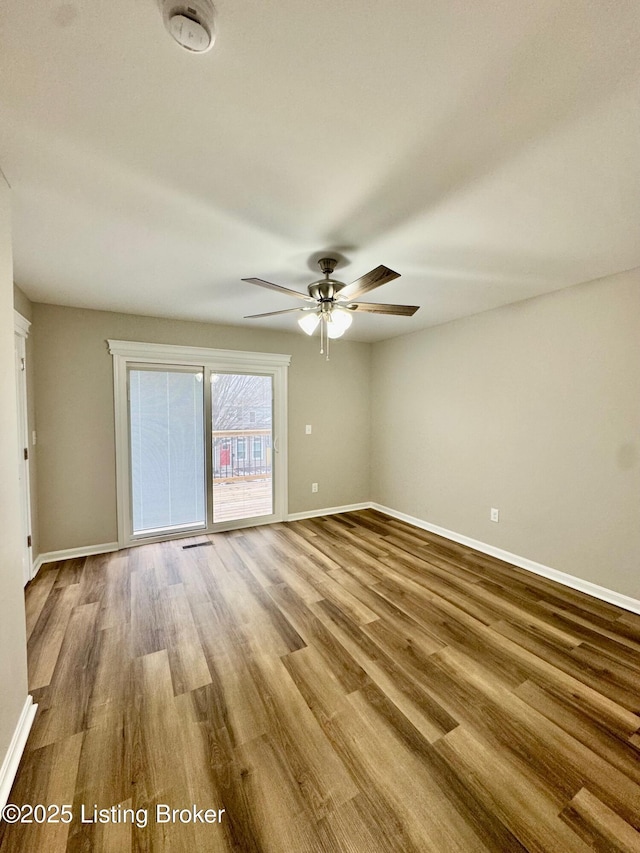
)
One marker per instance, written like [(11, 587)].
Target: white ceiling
[(488, 151)]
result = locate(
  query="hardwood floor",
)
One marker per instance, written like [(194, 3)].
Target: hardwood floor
[(347, 683)]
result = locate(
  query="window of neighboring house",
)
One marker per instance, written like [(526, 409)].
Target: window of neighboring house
[(240, 448), (257, 448)]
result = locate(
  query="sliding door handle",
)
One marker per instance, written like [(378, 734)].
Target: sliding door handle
[(276, 444)]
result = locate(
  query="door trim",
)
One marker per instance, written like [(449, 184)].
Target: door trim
[(135, 352), (21, 332)]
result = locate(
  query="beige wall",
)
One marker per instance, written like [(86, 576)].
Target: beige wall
[(23, 305), (533, 409), (75, 423), (13, 663)]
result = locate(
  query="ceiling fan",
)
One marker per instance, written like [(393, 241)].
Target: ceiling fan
[(332, 301)]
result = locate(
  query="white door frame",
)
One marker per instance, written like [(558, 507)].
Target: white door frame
[(21, 328), (127, 353)]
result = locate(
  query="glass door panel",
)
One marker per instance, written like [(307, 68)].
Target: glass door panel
[(166, 428), (242, 431)]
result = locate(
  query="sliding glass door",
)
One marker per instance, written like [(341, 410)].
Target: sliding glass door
[(166, 428), (200, 439), (242, 436)]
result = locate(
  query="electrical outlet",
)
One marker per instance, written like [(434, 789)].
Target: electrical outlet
[(314, 487), (307, 429), (495, 514)]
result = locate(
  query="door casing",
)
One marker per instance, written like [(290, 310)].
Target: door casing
[(21, 326)]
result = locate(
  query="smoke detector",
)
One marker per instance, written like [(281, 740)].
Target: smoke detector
[(191, 24)]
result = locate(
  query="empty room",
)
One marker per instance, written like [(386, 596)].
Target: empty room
[(320, 427)]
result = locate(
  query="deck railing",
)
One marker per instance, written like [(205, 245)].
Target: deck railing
[(241, 455)]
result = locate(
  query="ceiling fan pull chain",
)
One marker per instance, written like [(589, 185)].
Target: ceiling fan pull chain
[(321, 335)]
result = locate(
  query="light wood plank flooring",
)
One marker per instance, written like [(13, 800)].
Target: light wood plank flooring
[(347, 683)]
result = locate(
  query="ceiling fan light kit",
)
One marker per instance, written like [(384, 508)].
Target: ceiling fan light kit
[(338, 321), (309, 322), (333, 301)]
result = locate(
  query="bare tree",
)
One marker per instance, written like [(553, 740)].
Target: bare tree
[(236, 396)]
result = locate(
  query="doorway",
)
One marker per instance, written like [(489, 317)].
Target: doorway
[(20, 350), (200, 440), (242, 435)]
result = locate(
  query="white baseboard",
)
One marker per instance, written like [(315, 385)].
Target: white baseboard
[(16, 748), (70, 553), (592, 589), (333, 510)]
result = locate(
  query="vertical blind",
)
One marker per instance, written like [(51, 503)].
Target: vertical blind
[(166, 412)]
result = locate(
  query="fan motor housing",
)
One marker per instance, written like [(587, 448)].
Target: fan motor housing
[(325, 289)]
